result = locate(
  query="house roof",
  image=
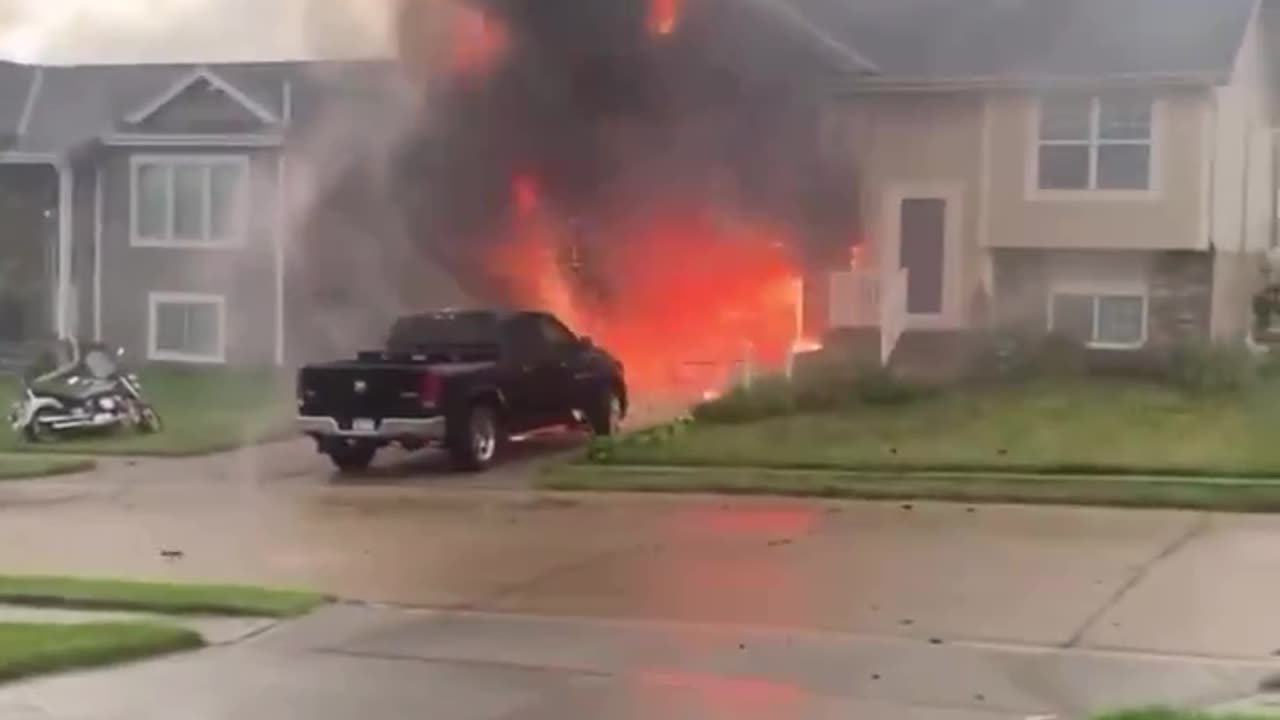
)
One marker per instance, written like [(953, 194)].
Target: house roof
[(938, 42), (69, 106), (52, 110)]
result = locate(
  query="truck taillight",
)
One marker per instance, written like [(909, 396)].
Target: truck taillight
[(429, 389)]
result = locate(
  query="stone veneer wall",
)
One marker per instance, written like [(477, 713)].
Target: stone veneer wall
[(1180, 292), (1180, 298)]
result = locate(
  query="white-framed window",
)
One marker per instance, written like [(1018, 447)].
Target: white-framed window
[(1105, 320), (1095, 142), (187, 327), (197, 201)]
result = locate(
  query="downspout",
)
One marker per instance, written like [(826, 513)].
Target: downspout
[(1212, 210), (66, 197), (282, 195), (1245, 185), (98, 203)]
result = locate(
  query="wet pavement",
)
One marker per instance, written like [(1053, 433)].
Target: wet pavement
[(546, 606)]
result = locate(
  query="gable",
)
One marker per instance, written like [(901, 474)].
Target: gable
[(202, 103)]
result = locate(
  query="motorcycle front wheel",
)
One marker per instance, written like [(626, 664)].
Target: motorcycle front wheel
[(149, 421), (37, 431)]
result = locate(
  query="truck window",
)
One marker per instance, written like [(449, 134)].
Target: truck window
[(466, 328), (525, 338), (554, 333)]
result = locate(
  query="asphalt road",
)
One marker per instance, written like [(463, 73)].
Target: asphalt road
[(479, 598)]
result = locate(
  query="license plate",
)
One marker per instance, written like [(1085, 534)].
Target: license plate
[(364, 425)]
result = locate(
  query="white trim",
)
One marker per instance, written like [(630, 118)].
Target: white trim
[(1097, 291), (28, 158), (255, 140), (287, 102), (98, 203), (62, 291), (1208, 168), (907, 84), (195, 76), (28, 108), (156, 299), (1155, 164), (207, 161), (281, 207), (952, 193), (984, 199)]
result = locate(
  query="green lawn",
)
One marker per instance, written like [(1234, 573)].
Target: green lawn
[(1082, 426), (1169, 714), (161, 598), (28, 649), (203, 410), (1240, 495), (18, 467)]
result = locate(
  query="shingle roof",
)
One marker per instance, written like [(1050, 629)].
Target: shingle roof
[(933, 41), (895, 41), (77, 104)]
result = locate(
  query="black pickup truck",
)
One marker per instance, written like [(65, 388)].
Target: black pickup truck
[(466, 380)]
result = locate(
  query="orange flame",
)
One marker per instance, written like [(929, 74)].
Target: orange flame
[(689, 300), (479, 41), (663, 16)]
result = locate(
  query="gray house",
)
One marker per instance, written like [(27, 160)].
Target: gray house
[(170, 208)]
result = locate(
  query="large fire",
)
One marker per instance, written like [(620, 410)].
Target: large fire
[(663, 15), (630, 166), (694, 298), (479, 42)]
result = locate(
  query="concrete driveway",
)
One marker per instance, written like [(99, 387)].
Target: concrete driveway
[(484, 599)]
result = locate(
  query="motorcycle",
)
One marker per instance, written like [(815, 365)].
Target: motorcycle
[(96, 394)]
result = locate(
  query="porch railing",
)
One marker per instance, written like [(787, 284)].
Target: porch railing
[(893, 313), (871, 300), (854, 299)]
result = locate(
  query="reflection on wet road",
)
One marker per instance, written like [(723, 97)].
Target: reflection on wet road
[(814, 599)]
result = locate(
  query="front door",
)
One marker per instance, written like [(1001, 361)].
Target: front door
[(924, 228), (923, 221)]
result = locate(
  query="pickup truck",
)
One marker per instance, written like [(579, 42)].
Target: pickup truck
[(465, 380)]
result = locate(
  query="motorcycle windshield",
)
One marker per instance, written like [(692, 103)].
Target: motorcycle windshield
[(100, 364)]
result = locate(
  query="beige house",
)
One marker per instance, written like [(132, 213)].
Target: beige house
[(1100, 168)]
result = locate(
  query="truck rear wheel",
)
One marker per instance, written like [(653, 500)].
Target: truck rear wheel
[(475, 437), (351, 457)]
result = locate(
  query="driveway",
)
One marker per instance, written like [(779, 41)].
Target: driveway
[(484, 599)]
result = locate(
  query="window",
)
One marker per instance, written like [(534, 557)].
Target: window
[(187, 328), (1100, 320), (554, 334), (1095, 142), (189, 201)]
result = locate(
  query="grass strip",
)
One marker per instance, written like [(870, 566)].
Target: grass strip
[(28, 649), (1222, 494), (1157, 713), (164, 598)]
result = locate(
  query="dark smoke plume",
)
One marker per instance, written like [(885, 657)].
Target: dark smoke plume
[(718, 110)]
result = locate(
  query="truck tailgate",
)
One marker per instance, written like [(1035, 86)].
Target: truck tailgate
[(347, 391)]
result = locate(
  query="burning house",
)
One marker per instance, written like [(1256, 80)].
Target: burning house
[(647, 169), (1101, 169)]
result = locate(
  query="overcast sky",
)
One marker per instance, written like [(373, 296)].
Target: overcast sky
[(89, 31)]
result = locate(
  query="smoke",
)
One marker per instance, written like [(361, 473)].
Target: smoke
[(649, 169), (127, 31)]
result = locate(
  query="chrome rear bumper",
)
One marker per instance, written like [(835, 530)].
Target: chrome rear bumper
[(387, 429)]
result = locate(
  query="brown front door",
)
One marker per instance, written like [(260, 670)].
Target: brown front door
[(923, 223)]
